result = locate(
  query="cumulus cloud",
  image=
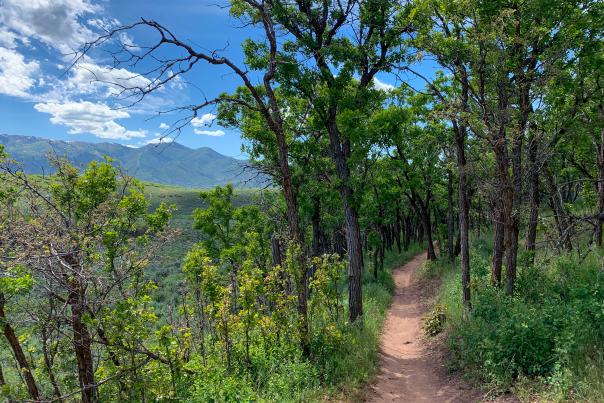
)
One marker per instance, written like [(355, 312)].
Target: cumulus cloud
[(163, 126), (160, 140), (204, 120), (84, 98), (200, 125), (16, 75), (54, 22), (213, 133), (382, 86), (8, 39), (87, 78), (87, 117)]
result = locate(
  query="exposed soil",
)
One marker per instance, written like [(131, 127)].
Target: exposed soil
[(411, 368)]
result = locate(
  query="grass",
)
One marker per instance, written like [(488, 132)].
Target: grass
[(361, 352), (343, 374), (544, 344)]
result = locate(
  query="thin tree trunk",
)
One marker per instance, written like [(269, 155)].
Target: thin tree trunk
[(397, 232), (513, 229), (498, 247), (295, 231), (531, 230), (276, 251), (406, 233), (48, 363), (599, 149), (464, 209), (13, 341), (82, 343), (376, 253), (560, 215), (316, 227), (2, 380), (450, 215), (431, 254)]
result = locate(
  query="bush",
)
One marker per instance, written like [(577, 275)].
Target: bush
[(277, 371), (434, 322), (550, 333)]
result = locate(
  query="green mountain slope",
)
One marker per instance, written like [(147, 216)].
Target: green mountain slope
[(171, 163)]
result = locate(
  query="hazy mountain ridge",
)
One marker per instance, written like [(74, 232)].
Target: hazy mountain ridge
[(170, 163)]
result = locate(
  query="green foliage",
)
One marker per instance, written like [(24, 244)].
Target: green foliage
[(550, 332), (434, 322)]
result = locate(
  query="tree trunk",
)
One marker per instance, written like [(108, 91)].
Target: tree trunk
[(276, 251), (407, 233), (513, 228), (431, 254), (48, 363), (464, 209), (13, 341), (498, 249), (353, 243), (560, 215), (450, 224), (531, 229), (293, 220), (82, 343), (599, 149), (316, 227), (2, 380), (340, 151), (397, 231)]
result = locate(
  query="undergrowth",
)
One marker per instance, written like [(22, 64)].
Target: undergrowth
[(342, 362), (544, 344)]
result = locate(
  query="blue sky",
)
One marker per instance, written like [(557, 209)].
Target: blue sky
[(39, 96)]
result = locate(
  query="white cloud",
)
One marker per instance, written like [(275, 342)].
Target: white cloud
[(214, 133), (16, 75), (382, 86), (204, 120), (160, 140), (54, 22), (7, 38), (88, 78), (103, 24), (87, 117), (163, 126)]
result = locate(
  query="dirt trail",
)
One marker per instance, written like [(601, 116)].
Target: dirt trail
[(411, 371)]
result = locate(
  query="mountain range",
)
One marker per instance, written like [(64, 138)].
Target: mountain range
[(168, 163)]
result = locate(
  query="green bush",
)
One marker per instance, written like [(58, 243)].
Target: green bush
[(278, 372), (550, 333)]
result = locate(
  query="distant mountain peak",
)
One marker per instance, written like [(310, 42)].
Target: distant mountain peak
[(168, 163)]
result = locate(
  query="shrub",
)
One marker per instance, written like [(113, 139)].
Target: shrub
[(550, 333), (434, 322)]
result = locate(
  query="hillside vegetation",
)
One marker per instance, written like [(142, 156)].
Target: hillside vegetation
[(169, 163)]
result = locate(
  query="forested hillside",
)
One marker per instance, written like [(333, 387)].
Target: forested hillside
[(487, 158), (169, 163)]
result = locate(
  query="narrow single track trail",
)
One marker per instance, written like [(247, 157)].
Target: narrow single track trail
[(410, 370)]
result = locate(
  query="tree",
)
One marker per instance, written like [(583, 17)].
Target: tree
[(318, 29), (261, 98), (80, 237)]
